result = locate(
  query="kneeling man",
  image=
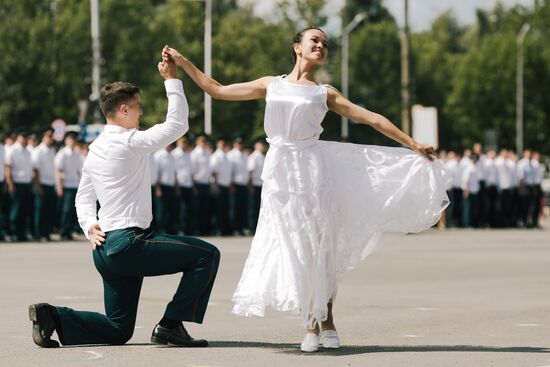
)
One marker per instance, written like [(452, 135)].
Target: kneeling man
[(125, 248)]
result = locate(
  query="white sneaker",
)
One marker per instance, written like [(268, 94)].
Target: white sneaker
[(310, 343), (330, 339)]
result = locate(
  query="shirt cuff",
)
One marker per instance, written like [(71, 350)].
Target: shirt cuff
[(173, 85)]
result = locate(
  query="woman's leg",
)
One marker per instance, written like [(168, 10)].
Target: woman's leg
[(328, 324)]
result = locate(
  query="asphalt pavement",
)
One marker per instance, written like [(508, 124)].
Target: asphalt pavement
[(452, 298)]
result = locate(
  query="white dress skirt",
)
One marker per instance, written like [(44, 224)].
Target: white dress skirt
[(326, 205)]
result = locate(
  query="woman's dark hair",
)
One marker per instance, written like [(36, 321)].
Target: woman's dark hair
[(298, 38)]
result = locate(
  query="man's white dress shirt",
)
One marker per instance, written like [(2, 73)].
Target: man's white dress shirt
[(69, 162), (19, 158), (167, 168), (184, 168), (2, 163), (116, 171), (239, 163), (200, 159), (43, 160), (255, 167), (221, 167)]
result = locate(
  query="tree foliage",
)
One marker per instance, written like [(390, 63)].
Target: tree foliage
[(467, 72)]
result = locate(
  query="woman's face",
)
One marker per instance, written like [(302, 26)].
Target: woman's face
[(313, 47)]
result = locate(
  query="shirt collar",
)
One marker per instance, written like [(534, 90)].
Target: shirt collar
[(116, 128)]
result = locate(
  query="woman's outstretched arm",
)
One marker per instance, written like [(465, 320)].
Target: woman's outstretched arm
[(341, 105), (255, 89)]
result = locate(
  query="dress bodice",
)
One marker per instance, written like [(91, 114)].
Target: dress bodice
[(294, 112)]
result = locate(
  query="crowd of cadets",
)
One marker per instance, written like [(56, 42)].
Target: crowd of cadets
[(201, 190), (38, 183), (195, 190), (493, 189)]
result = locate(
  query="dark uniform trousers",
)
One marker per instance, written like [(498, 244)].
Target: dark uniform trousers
[(256, 201), (68, 212), (240, 205), (43, 218), (169, 209), (20, 209), (126, 257), (186, 210), (202, 206)]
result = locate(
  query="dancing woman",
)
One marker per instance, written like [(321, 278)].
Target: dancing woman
[(324, 204)]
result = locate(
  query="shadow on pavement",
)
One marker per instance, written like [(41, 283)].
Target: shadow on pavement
[(361, 349)]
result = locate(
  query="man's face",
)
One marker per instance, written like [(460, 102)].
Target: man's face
[(47, 139), (70, 141), (133, 112), (22, 139)]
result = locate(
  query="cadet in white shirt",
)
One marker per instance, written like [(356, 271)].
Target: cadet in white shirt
[(43, 157), (239, 212), (504, 189), (167, 183), (18, 180), (184, 175), (2, 187), (454, 216), (538, 176), (68, 164), (491, 189), (155, 190), (116, 173), (255, 168), (470, 191), (200, 159), (526, 175), (221, 173), (511, 163)]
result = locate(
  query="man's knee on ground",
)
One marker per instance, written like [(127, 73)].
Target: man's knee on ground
[(122, 335)]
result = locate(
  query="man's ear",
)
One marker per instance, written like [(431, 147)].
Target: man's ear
[(123, 109)]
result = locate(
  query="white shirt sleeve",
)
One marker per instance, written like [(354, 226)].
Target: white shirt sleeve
[(9, 156), (176, 123), (86, 204)]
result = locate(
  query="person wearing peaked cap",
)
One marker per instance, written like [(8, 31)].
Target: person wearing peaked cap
[(200, 159), (18, 179), (221, 175), (43, 161), (2, 187), (239, 207), (68, 164), (184, 174), (167, 182)]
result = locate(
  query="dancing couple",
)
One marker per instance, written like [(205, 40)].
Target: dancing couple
[(325, 205)]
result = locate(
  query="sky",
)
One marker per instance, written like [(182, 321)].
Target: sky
[(421, 12)]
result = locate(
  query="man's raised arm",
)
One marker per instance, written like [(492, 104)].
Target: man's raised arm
[(176, 123)]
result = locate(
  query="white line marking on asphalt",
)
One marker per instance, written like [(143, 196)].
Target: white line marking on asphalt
[(528, 325), (412, 336), (95, 355), (425, 308), (138, 327), (74, 297), (213, 303)]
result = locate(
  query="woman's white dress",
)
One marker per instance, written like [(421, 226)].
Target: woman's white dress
[(325, 205)]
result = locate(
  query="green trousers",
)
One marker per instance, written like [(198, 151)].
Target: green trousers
[(127, 256)]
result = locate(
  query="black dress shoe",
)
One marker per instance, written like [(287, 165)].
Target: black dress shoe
[(178, 337), (44, 322)]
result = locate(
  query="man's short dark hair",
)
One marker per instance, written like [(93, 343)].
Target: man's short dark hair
[(115, 94)]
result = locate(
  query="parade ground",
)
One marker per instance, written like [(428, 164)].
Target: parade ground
[(452, 298)]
